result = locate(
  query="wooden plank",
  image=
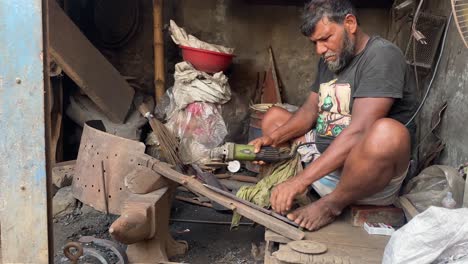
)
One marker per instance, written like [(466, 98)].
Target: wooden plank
[(352, 254), (87, 67), (23, 163), (274, 237), (195, 186), (342, 239), (342, 233)]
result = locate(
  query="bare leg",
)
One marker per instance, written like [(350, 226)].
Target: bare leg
[(274, 118), (383, 153)]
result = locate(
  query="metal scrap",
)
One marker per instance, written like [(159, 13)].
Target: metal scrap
[(116, 154), (114, 247)]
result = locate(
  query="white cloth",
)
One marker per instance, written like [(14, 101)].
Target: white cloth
[(180, 37), (195, 86)]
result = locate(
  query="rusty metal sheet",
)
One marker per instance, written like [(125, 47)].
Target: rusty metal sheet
[(104, 156)]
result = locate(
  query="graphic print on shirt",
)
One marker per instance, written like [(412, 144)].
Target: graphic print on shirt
[(334, 108)]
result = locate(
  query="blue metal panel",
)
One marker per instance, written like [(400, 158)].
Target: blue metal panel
[(23, 195)]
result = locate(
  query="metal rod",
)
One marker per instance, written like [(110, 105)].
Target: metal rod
[(252, 205), (195, 221), (104, 191)]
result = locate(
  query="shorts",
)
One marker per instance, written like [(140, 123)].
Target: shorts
[(328, 183)]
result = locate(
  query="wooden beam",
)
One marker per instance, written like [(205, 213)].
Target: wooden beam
[(25, 231), (87, 67)]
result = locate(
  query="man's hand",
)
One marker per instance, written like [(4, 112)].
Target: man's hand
[(283, 194), (262, 141)]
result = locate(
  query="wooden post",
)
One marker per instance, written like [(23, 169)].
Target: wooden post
[(159, 78), (24, 218)]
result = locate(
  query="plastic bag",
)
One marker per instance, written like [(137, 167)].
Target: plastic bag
[(437, 235), (431, 186), (200, 128), (191, 86)]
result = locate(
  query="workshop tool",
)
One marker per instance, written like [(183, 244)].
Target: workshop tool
[(194, 185), (207, 177), (210, 179), (232, 151), (73, 257), (252, 205), (167, 141), (308, 247), (134, 191)]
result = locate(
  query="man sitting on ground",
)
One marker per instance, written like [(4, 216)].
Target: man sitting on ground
[(363, 96)]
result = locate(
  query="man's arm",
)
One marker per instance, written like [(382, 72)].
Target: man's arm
[(301, 122), (365, 112)]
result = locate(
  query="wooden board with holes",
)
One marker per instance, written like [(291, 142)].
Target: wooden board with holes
[(343, 239), (87, 67)]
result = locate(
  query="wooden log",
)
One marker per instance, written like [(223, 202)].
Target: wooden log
[(261, 218), (87, 67), (159, 78)]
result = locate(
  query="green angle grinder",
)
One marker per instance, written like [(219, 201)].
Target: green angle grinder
[(232, 151)]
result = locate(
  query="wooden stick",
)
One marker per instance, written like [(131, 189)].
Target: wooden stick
[(194, 185), (408, 207), (159, 78)]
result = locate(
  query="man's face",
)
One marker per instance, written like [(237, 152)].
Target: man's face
[(333, 43)]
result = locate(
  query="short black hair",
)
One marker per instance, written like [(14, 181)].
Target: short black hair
[(335, 10)]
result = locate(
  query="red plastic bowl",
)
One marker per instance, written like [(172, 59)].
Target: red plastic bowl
[(206, 60)]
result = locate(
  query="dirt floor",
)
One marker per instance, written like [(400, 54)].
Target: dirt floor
[(208, 243)]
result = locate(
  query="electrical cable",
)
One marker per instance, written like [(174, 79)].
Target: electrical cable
[(442, 48)]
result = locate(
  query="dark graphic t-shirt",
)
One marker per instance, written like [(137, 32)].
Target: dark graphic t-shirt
[(380, 70)]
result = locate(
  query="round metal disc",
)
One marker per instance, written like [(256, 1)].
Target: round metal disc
[(307, 247)]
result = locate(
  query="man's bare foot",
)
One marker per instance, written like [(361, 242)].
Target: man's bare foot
[(314, 216)]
